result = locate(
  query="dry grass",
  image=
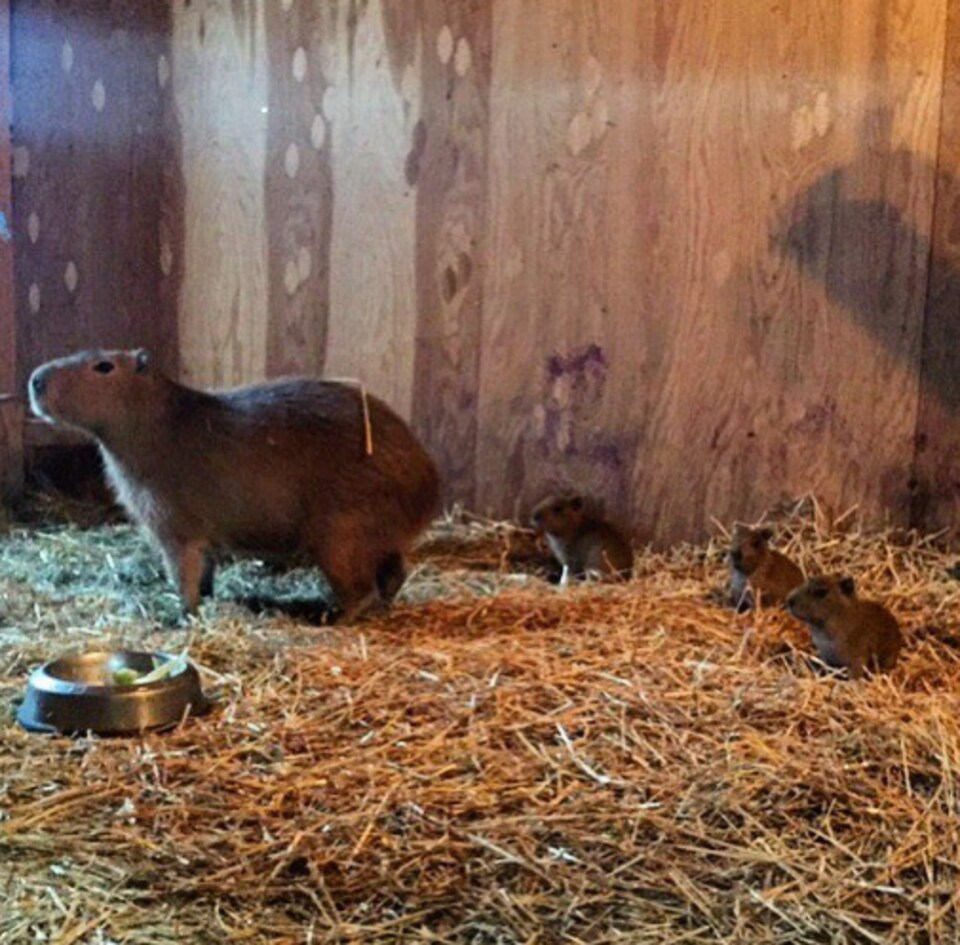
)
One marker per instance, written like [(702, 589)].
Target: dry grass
[(492, 761)]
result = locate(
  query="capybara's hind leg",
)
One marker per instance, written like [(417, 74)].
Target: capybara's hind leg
[(186, 564), (391, 573)]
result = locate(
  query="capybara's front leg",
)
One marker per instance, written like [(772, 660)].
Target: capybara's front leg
[(738, 592), (186, 564)]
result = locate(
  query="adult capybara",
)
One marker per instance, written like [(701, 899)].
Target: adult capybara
[(279, 470)]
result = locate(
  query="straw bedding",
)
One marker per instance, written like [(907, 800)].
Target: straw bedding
[(493, 760)]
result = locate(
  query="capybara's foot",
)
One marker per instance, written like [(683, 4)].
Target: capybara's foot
[(187, 566)]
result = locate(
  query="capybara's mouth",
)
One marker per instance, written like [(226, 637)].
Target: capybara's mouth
[(36, 389)]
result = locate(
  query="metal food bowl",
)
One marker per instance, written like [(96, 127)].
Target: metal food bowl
[(75, 694)]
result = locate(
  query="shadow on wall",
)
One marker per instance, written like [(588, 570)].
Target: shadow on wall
[(702, 441), (869, 258)]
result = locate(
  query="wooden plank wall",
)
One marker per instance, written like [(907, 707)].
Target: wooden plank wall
[(689, 264), (675, 253), (92, 158), (936, 484), (11, 409)]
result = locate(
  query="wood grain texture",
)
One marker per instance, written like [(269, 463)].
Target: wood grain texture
[(11, 410), (372, 114), (447, 164), (937, 483), (767, 339), (11, 450), (8, 322), (220, 81), (552, 373), (87, 177), (674, 253), (299, 188)]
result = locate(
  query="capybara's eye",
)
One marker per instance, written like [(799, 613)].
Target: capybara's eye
[(819, 592), (557, 509), (103, 367)]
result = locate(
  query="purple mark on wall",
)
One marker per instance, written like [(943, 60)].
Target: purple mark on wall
[(573, 441), (590, 359), (608, 455), (574, 388)]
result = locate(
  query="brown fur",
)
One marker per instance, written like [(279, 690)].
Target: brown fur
[(275, 469), (860, 635), (581, 540), (771, 574)]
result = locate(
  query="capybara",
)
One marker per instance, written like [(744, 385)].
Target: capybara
[(585, 544), (770, 574), (279, 470), (860, 635)]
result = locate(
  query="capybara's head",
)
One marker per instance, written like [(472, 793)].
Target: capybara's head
[(749, 548), (560, 514), (98, 391), (822, 598)]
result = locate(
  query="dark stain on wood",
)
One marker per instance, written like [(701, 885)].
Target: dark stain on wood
[(417, 147), (402, 22), (935, 484)]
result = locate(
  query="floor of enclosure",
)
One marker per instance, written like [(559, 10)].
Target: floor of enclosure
[(492, 761)]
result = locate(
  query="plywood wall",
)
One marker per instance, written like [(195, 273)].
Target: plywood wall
[(11, 408), (675, 253), (936, 483), (92, 156)]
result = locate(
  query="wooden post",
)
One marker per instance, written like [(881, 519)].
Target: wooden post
[(11, 405)]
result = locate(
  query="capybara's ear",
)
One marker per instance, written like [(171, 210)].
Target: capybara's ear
[(142, 358), (848, 586)]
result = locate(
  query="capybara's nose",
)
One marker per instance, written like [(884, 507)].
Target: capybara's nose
[(38, 382)]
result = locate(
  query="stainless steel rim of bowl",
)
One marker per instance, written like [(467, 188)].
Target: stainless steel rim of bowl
[(56, 703)]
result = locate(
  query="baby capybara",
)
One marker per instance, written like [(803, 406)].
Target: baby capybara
[(584, 543), (278, 470), (848, 631), (769, 573)]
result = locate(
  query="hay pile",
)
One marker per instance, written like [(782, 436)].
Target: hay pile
[(492, 761)]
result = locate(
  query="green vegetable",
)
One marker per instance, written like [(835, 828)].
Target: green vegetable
[(125, 677)]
